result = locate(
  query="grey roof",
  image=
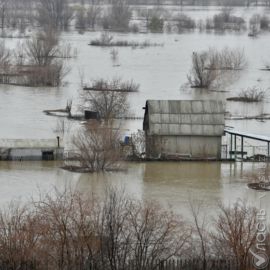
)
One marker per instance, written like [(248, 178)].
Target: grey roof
[(184, 117), (29, 143)]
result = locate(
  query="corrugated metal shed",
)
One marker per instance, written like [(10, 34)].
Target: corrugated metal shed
[(184, 117)]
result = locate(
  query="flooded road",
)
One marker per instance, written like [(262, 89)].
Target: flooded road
[(161, 73)]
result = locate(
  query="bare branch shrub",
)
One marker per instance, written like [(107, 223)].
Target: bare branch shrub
[(42, 48), (228, 59), (200, 243), (252, 94), (70, 230), (185, 22), (118, 16), (156, 24), (204, 71), (106, 40), (93, 15), (210, 66), (5, 59), (235, 233), (254, 25), (20, 234), (54, 14), (97, 148), (225, 20), (159, 235), (109, 98)]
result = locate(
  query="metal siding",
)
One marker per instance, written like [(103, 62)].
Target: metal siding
[(196, 119), (174, 129), (185, 107), (197, 106), (164, 106), (165, 115), (185, 118), (185, 129), (155, 118), (197, 130)]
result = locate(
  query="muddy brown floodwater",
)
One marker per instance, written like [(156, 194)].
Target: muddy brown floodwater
[(172, 184), (160, 71)]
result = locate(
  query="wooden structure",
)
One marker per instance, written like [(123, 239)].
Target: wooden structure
[(234, 134), (184, 129), (31, 149)]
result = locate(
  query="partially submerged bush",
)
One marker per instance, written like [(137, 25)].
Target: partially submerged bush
[(225, 21), (185, 22), (203, 72), (252, 94), (209, 66), (97, 148), (106, 40), (116, 85), (228, 59), (156, 24), (37, 62), (254, 25), (118, 16), (109, 98)]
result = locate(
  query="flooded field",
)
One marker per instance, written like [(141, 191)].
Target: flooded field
[(162, 74)]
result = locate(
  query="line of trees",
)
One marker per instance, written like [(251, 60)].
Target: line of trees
[(68, 230), (39, 61)]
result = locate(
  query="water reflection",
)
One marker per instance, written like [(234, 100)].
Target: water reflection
[(172, 184)]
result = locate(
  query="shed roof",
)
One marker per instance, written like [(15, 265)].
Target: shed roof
[(30, 143), (184, 117)]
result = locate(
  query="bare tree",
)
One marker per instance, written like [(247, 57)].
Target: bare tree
[(228, 59), (204, 72), (93, 13), (119, 15), (97, 148), (158, 235), (43, 52), (209, 67), (4, 9), (19, 235), (42, 49), (55, 14), (235, 232), (108, 99)]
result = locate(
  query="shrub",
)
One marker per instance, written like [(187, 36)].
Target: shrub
[(156, 24)]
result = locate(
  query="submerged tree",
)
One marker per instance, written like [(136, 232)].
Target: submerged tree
[(204, 72), (109, 98), (209, 67), (119, 15), (55, 14), (98, 148)]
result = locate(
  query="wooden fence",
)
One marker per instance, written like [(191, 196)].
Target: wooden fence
[(161, 265)]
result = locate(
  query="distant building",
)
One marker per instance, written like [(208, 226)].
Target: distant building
[(31, 149), (184, 129)]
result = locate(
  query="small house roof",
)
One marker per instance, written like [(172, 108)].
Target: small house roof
[(30, 143), (184, 117)]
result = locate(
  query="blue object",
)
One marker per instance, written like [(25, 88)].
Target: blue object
[(126, 140)]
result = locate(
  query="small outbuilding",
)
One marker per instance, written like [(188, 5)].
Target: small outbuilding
[(184, 129), (31, 149)]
